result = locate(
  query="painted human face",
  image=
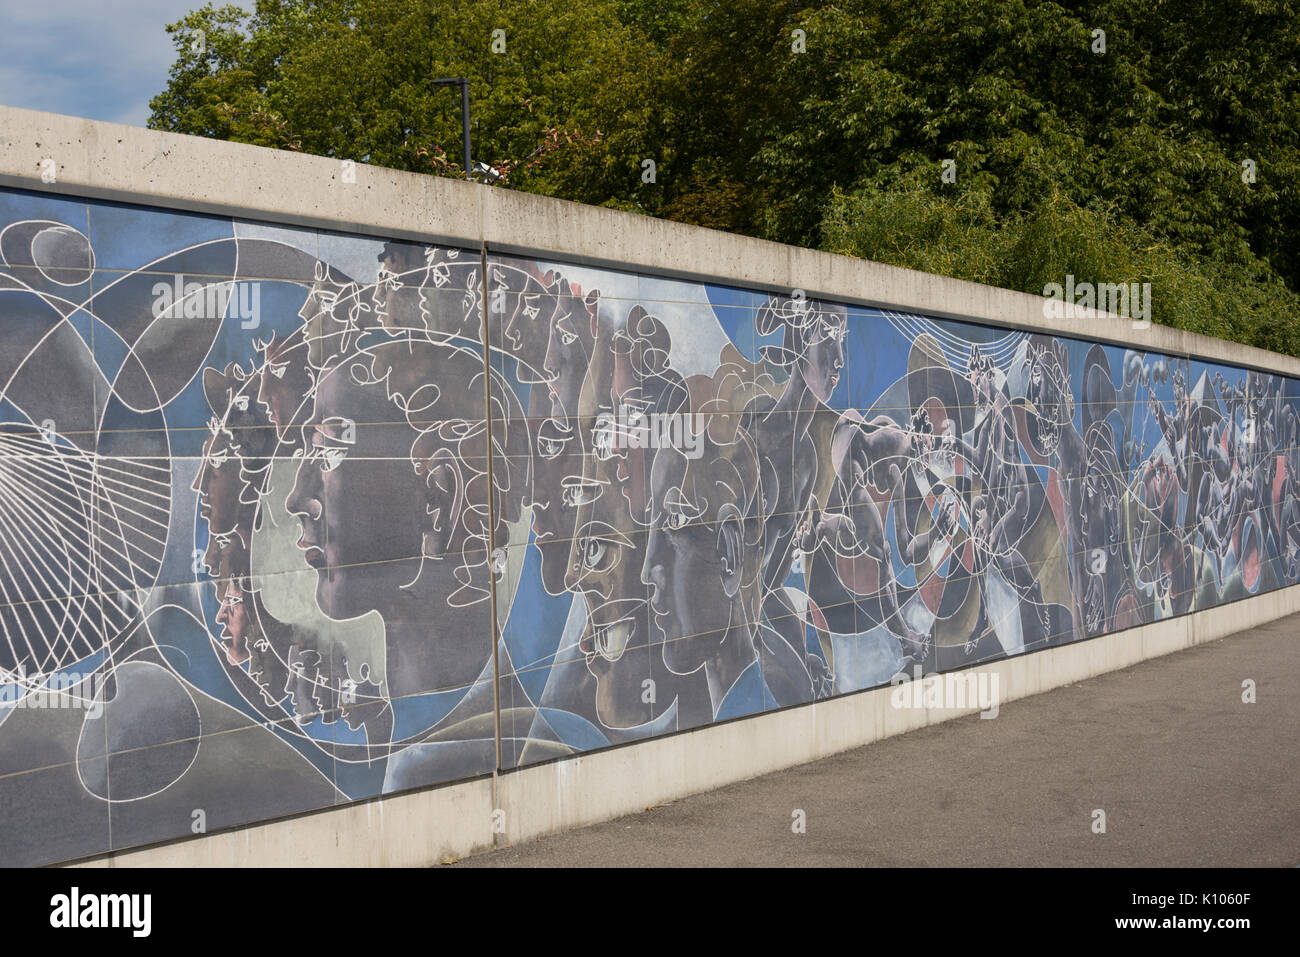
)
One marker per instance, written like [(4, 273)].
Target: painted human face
[(823, 353), (233, 617), (285, 381), (219, 486), (392, 512), (639, 379), (401, 273), (1047, 393), (243, 624), (559, 459), (358, 497), (266, 664), (693, 571), (527, 302), (306, 684), (622, 642), (568, 352), (557, 464)]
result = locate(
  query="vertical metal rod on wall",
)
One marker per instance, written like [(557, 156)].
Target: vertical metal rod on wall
[(464, 119), (492, 523)]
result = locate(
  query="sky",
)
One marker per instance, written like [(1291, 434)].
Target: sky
[(98, 59)]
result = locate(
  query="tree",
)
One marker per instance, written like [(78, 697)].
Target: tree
[(350, 78), (787, 120)]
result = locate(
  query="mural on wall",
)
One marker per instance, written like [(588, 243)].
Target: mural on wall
[(265, 492)]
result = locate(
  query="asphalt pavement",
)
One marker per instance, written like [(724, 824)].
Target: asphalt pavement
[(1186, 773)]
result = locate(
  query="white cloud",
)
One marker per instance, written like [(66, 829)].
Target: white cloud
[(87, 58)]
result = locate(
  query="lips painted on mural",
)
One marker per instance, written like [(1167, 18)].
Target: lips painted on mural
[(312, 553), (236, 653), (557, 403)]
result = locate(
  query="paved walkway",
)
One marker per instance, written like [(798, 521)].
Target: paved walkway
[(1187, 774)]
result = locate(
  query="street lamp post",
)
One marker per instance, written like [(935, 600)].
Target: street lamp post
[(463, 82)]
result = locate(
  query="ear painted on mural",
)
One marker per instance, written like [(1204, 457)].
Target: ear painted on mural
[(263, 494)]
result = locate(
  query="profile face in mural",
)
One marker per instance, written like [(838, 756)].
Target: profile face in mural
[(569, 322), (620, 639), (812, 344), (277, 542), (285, 382), (622, 642), (360, 516), (605, 551), (701, 559), (392, 500), (1047, 393), (235, 615)]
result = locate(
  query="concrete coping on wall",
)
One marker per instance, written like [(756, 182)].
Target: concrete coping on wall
[(128, 164)]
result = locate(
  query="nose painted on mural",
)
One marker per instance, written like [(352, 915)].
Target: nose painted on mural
[(304, 504)]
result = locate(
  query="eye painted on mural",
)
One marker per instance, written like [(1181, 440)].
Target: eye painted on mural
[(219, 457), (679, 511), (331, 458), (578, 491), (829, 328), (564, 329), (593, 553), (552, 439), (599, 541), (330, 442), (604, 436)]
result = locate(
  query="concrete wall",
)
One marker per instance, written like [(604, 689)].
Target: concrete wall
[(305, 436)]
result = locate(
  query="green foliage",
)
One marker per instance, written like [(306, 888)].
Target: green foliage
[(1117, 166), (961, 237), (350, 78)]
